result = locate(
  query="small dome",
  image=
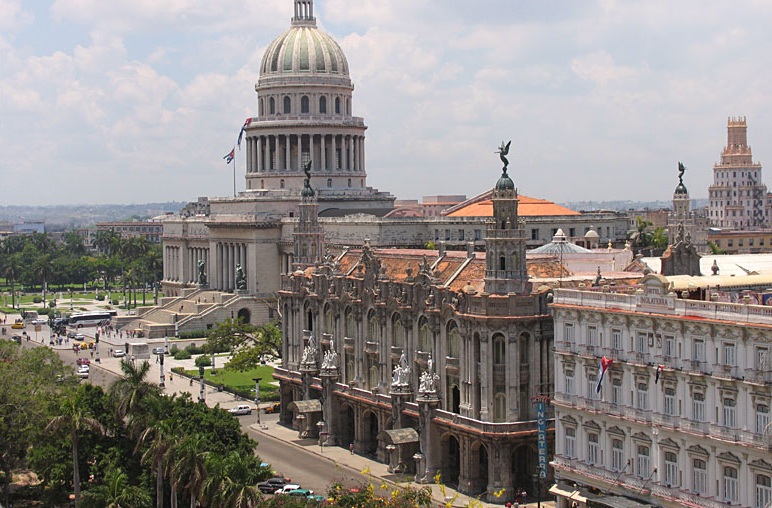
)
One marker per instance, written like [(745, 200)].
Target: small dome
[(505, 182), (304, 50), (591, 234), (681, 189)]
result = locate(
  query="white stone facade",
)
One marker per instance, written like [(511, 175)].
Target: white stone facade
[(697, 434)]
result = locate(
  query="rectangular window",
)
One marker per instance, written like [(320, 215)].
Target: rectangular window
[(643, 396), (641, 344), (643, 464), (698, 350), (699, 476), (671, 469), (460, 235), (617, 455), (478, 234), (534, 234), (763, 491), (569, 388), (570, 442), (670, 401), (730, 485), (730, 354), (592, 336), (760, 360), (762, 418), (568, 333), (698, 407), (616, 390), (730, 413), (593, 449), (592, 384), (616, 339), (669, 346)]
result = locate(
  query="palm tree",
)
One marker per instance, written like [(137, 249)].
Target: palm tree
[(74, 420), (115, 492), (12, 268), (106, 241), (135, 398), (188, 472), (232, 481), (161, 441), (42, 270)]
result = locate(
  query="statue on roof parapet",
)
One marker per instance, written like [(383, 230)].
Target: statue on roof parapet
[(503, 152)]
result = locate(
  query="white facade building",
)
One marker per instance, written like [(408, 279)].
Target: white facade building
[(682, 417)]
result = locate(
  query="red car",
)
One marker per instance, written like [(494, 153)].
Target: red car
[(83, 361)]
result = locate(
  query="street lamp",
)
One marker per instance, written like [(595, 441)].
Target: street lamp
[(257, 397), (160, 356), (320, 427), (70, 298), (537, 477), (213, 369), (201, 397)]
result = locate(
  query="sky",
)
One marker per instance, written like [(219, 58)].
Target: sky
[(135, 101)]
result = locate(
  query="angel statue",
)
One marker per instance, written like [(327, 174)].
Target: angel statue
[(681, 170), (428, 381), (503, 151), (309, 353), (330, 357)]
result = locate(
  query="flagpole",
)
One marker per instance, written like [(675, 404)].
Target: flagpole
[(234, 177)]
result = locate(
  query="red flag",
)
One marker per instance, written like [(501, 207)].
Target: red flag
[(247, 123), (230, 156), (605, 363), (660, 368)]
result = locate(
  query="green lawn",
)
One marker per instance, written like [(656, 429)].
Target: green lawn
[(242, 382)]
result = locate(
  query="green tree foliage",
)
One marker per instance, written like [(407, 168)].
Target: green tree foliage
[(28, 393), (249, 344), (114, 491)]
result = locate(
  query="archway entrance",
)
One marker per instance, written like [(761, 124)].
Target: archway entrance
[(523, 468), (244, 315), (451, 460), (370, 434), (347, 426)]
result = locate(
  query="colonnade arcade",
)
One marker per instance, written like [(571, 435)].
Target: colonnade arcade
[(227, 256), (289, 151)]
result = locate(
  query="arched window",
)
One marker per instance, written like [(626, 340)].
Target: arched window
[(260, 108), (499, 350), (397, 332), (454, 340), (499, 407), (281, 183), (329, 182), (502, 263), (373, 328), (329, 321), (262, 184), (349, 182), (323, 105), (304, 107), (287, 105), (350, 324), (424, 336), (337, 105), (272, 106)]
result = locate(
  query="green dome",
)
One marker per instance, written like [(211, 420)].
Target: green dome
[(304, 50), (505, 182)]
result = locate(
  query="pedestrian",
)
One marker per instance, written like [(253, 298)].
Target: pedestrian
[(351, 448), (170, 377)]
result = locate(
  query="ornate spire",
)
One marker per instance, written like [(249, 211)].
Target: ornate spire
[(304, 13)]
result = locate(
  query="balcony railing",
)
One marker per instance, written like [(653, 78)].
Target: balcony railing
[(726, 371), (758, 375), (450, 419), (666, 420)]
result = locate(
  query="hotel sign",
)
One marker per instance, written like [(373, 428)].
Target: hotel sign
[(541, 432)]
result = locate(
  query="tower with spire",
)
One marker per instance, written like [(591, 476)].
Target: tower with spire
[(308, 236), (505, 238)]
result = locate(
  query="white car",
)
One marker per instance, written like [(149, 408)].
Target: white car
[(119, 353), (83, 371), (39, 321), (241, 409), (287, 488)]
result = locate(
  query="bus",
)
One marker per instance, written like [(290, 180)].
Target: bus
[(94, 318)]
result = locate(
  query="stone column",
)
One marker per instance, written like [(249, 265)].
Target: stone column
[(400, 393), (275, 152), (323, 152), (259, 154), (311, 151), (329, 414), (350, 153), (334, 152), (429, 438), (287, 154), (500, 472)]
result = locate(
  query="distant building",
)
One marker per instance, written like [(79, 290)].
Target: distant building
[(750, 241), (150, 230), (27, 228), (738, 199)]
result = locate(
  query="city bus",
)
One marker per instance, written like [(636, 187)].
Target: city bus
[(94, 318)]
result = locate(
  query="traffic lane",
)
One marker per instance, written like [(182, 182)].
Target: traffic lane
[(96, 375), (305, 468)]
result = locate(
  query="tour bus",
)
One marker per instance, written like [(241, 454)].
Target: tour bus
[(94, 318)]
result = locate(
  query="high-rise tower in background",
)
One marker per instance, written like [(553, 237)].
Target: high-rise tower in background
[(738, 198)]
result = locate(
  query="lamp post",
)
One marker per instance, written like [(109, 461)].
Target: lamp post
[(160, 356), (201, 397), (320, 427), (214, 371), (70, 298), (537, 477), (257, 397)]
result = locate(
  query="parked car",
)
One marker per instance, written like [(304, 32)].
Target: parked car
[(18, 325), (79, 336), (83, 371), (71, 334), (241, 409), (301, 493), (119, 353), (273, 408), (159, 351), (287, 488), (271, 485), (39, 321), (83, 361), (16, 339)]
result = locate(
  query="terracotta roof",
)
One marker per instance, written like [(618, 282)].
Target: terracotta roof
[(527, 207)]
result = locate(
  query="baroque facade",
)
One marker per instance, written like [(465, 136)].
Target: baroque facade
[(427, 361)]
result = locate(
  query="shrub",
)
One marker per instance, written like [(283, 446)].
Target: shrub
[(194, 334), (100, 298), (203, 361), (195, 350), (115, 301), (181, 354), (37, 299)]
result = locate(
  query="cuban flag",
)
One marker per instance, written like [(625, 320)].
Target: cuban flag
[(230, 156), (660, 368), (605, 363), (247, 123)]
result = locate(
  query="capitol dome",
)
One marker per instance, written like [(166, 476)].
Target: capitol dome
[(304, 49)]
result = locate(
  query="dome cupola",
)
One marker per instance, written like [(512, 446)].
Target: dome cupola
[(304, 50)]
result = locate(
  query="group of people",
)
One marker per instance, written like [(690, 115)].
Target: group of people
[(520, 497)]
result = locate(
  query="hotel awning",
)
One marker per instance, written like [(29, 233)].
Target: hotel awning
[(306, 406), (563, 490)]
